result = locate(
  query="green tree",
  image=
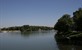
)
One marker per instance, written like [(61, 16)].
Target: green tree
[(25, 28), (77, 16), (64, 24)]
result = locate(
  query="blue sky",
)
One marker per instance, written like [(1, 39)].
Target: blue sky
[(35, 12)]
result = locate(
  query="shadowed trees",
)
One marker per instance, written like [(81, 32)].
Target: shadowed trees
[(67, 23), (25, 28), (64, 24), (77, 17), (70, 27)]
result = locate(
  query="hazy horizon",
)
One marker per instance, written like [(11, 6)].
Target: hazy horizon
[(35, 12)]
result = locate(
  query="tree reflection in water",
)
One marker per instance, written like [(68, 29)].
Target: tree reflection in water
[(69, 44)]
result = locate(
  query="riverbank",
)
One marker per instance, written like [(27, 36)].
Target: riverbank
[(26, 28), (69, 41), (70, 27), (72, 36)]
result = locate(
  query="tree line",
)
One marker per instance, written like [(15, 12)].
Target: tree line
[(27, 28)]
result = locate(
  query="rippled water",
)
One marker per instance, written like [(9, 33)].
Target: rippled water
[(32, 41)]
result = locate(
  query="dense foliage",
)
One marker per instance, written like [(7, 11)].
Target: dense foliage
[(64, 23), (27, 28), (77, 16), (70, 26)]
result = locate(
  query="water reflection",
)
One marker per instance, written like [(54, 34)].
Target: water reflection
[(27, 41), (69, 44), (34, 33)]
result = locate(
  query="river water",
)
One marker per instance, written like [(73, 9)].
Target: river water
[(33, 41)]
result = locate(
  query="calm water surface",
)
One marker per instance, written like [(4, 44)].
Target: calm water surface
[(32, 41)]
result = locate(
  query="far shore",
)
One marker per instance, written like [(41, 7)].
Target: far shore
[(4, 31)]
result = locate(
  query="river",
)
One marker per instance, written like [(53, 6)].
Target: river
[(33, 41)]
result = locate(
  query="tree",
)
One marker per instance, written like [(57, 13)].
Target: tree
[(77, 17), (25, 28), (64, 24)]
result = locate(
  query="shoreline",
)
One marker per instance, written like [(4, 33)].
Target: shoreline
[(10, 31)]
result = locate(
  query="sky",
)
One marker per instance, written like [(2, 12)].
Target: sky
[(35, 12)]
